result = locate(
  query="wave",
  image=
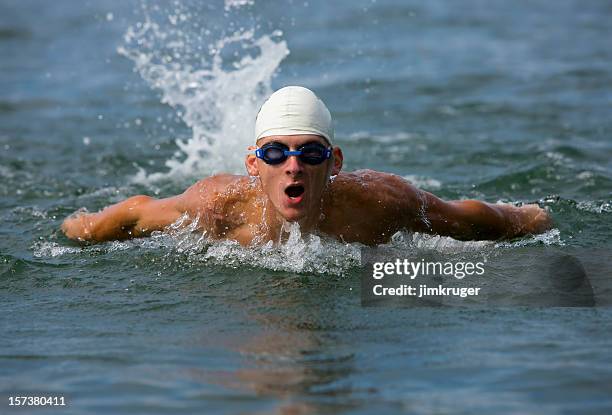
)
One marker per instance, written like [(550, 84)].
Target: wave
[(296, 252)]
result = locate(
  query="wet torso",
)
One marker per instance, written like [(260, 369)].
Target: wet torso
[(363, 206)]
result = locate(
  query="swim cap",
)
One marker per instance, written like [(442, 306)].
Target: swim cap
[(294, 110)]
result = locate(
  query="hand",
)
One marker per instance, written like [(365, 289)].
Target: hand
[(76, 227), (535, 219)]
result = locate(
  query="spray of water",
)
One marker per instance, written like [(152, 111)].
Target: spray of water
[(215, 71), (298, 253), (215, 76)]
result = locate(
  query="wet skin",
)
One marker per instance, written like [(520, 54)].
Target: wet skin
[(363, 206)]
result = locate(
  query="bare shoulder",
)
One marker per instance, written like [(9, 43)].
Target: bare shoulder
[(366, 185), (368, 176), (216, 183), (206, 192), (368, 206)]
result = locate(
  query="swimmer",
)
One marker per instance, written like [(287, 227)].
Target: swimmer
[(294, 175)]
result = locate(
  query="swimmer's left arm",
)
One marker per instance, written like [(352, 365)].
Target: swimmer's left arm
[(472, 219)]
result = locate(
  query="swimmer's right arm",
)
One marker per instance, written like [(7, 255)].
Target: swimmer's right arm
[(134, 217), (138, 216)]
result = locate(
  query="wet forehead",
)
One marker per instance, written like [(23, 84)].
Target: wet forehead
[(293, 140)]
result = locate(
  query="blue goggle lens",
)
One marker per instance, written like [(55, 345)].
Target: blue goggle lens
[(274, 153)]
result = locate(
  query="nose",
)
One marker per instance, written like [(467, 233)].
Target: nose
[(293, 166)]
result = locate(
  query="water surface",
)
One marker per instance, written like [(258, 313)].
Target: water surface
[(101, 100)]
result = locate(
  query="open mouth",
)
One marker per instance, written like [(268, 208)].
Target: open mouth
[(295, 190)]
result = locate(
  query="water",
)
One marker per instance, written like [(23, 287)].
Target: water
[(102, 100)]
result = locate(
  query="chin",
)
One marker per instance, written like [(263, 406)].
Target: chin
[(293, 215)]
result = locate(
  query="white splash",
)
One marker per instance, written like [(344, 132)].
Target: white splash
[(33, 211), (548, 238), (595, 206), (423, 182), (441, 244), (229, 4), (299, 253), (53, 249), (216, 86)]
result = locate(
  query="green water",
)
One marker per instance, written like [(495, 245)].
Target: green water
[(497, 101)]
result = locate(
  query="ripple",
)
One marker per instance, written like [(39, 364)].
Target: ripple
[(11, 33)]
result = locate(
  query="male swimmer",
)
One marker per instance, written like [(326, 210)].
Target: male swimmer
[(294, 176)]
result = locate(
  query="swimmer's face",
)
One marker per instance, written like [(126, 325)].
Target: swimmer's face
[(295, 188)]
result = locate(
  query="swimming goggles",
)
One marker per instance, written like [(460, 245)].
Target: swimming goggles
[(310, 153)]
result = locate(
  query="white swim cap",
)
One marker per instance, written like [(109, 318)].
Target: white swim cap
[(294, 110)]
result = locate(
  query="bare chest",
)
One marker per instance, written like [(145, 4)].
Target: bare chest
[(241, 220)]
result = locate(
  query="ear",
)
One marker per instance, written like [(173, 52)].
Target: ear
[(338, 157), (250, 162)]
